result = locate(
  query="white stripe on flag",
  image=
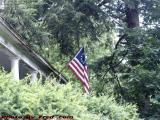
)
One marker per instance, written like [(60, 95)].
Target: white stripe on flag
[(77, 67), (79, 63), (87, 91), (84, 68), (86, 75), (80, 77)]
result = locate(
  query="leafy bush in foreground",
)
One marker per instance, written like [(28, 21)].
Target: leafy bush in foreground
[(19, 98)]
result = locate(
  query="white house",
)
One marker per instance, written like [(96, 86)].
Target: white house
[(17, 57)]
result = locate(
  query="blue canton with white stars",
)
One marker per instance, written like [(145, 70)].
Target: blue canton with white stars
[(81, 57)]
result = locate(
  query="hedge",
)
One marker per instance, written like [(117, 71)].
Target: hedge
[(51, 98)]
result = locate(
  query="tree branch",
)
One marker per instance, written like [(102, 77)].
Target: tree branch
[(103, 2)]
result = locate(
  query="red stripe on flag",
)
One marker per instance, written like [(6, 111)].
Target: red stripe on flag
[(84, 69), (73, 69), (87, 91), (84, 86), (79, 64), (80, 69), (84, 82), (77, 69)]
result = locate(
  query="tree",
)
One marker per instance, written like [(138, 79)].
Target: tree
[(66, 22), (130, 68), (136, 79)]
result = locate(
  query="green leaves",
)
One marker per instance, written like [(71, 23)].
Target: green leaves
[(19, 98), (43, 22)]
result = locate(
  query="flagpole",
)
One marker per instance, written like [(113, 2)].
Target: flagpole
[(64, 67)]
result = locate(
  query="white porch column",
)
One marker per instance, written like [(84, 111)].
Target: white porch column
[(34, 76), (15, 67)]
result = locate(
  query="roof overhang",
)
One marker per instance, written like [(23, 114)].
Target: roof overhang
[(13, 42)]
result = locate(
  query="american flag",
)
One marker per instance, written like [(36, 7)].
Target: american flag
[(79, 67)]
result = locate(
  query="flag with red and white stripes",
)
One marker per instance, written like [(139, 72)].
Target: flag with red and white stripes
[(79, 67)]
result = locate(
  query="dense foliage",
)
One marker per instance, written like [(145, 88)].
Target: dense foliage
[(121, 38), (51, 98)]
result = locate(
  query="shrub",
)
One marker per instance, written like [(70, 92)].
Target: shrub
[(51, 98)]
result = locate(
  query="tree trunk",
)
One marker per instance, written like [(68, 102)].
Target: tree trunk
[(132, 21), (132, 14)]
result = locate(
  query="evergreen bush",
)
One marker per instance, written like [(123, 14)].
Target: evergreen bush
[(51, 98)]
